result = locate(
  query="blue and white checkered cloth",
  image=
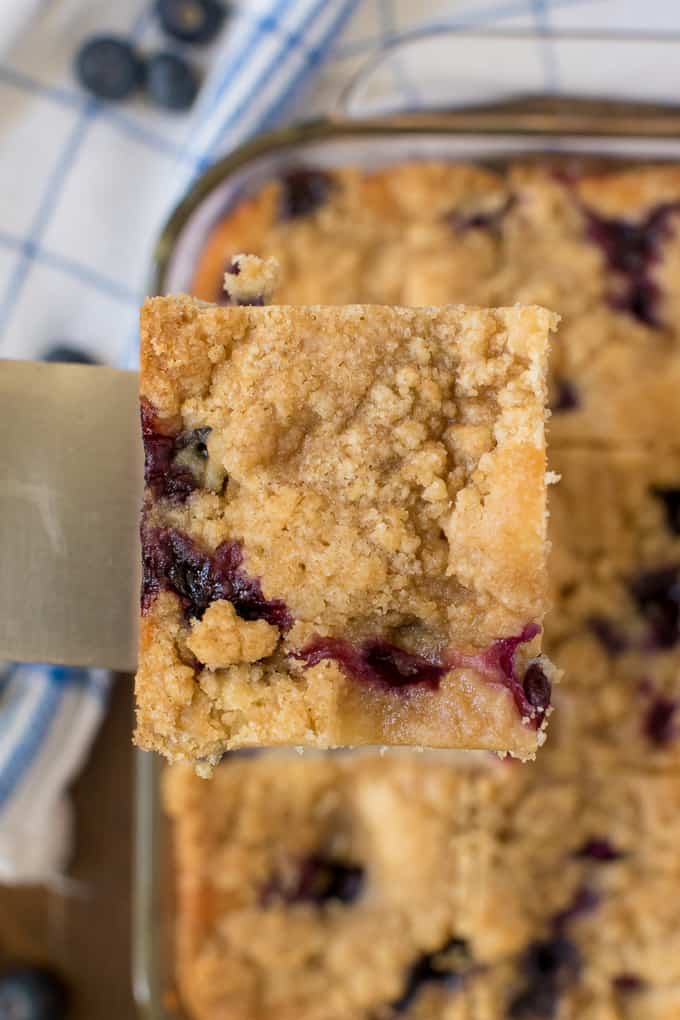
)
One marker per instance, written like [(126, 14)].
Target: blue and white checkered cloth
[(85, 188)]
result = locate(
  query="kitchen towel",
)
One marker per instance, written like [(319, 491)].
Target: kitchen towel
[(85, 188)]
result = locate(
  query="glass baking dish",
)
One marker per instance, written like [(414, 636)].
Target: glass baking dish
[(540, 127)]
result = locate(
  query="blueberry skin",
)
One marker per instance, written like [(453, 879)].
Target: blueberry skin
[(32, 993), (63, 354), (171, 82), (108, 67), (191, 21)]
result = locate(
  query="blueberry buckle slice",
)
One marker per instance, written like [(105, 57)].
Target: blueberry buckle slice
[(385, 665), (172, 561)]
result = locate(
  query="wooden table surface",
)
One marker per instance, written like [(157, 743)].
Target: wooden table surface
[(86, 932)]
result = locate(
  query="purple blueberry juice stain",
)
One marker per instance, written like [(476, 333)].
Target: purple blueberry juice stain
[(302, 192), (533, 692), (599, 849), (671, 504), (172, 561), (657, 595), (627, 984), (318, 880), (374, 661), (566, 397), (447, 967), (548, 967), (660, 724), (584, 901), (389, 667), (165, 478), (631, 249)]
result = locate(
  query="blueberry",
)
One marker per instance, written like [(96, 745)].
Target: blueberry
[(631, 249), (108, 67), (599, 849), (302, 191), (537, 687), (319, 880), (660, 724), (671, 502), (171, 82), (172, 561), (191, 21), (548, 966), (566, 397), (628, 984), (32, 993), (657, 594), (63, 354), (446, 966), (608, 634)]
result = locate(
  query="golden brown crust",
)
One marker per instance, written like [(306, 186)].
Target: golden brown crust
[(408, 443), (498, 860)]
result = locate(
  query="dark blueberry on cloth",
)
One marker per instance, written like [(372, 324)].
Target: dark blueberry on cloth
[(108, 67), (63, 354), (32, 993), (191, 21), (171, 82)]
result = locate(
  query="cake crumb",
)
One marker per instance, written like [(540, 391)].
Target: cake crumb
[(251, 280)]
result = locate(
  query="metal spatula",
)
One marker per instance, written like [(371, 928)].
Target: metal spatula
[(70, 496)]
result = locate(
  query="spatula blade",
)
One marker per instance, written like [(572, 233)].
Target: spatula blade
[(70, 496)]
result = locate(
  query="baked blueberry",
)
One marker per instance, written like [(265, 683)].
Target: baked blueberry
[(108, 67), (548, 966), (302, 191), (32, 993), (657, 594), (608, 634), (671, 502), (660, 723), (537, 687), (599, 849), (565, 397), (172, 561), (447, 966), (191, 21), (631, 249), (171, 82), (318, 880)]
